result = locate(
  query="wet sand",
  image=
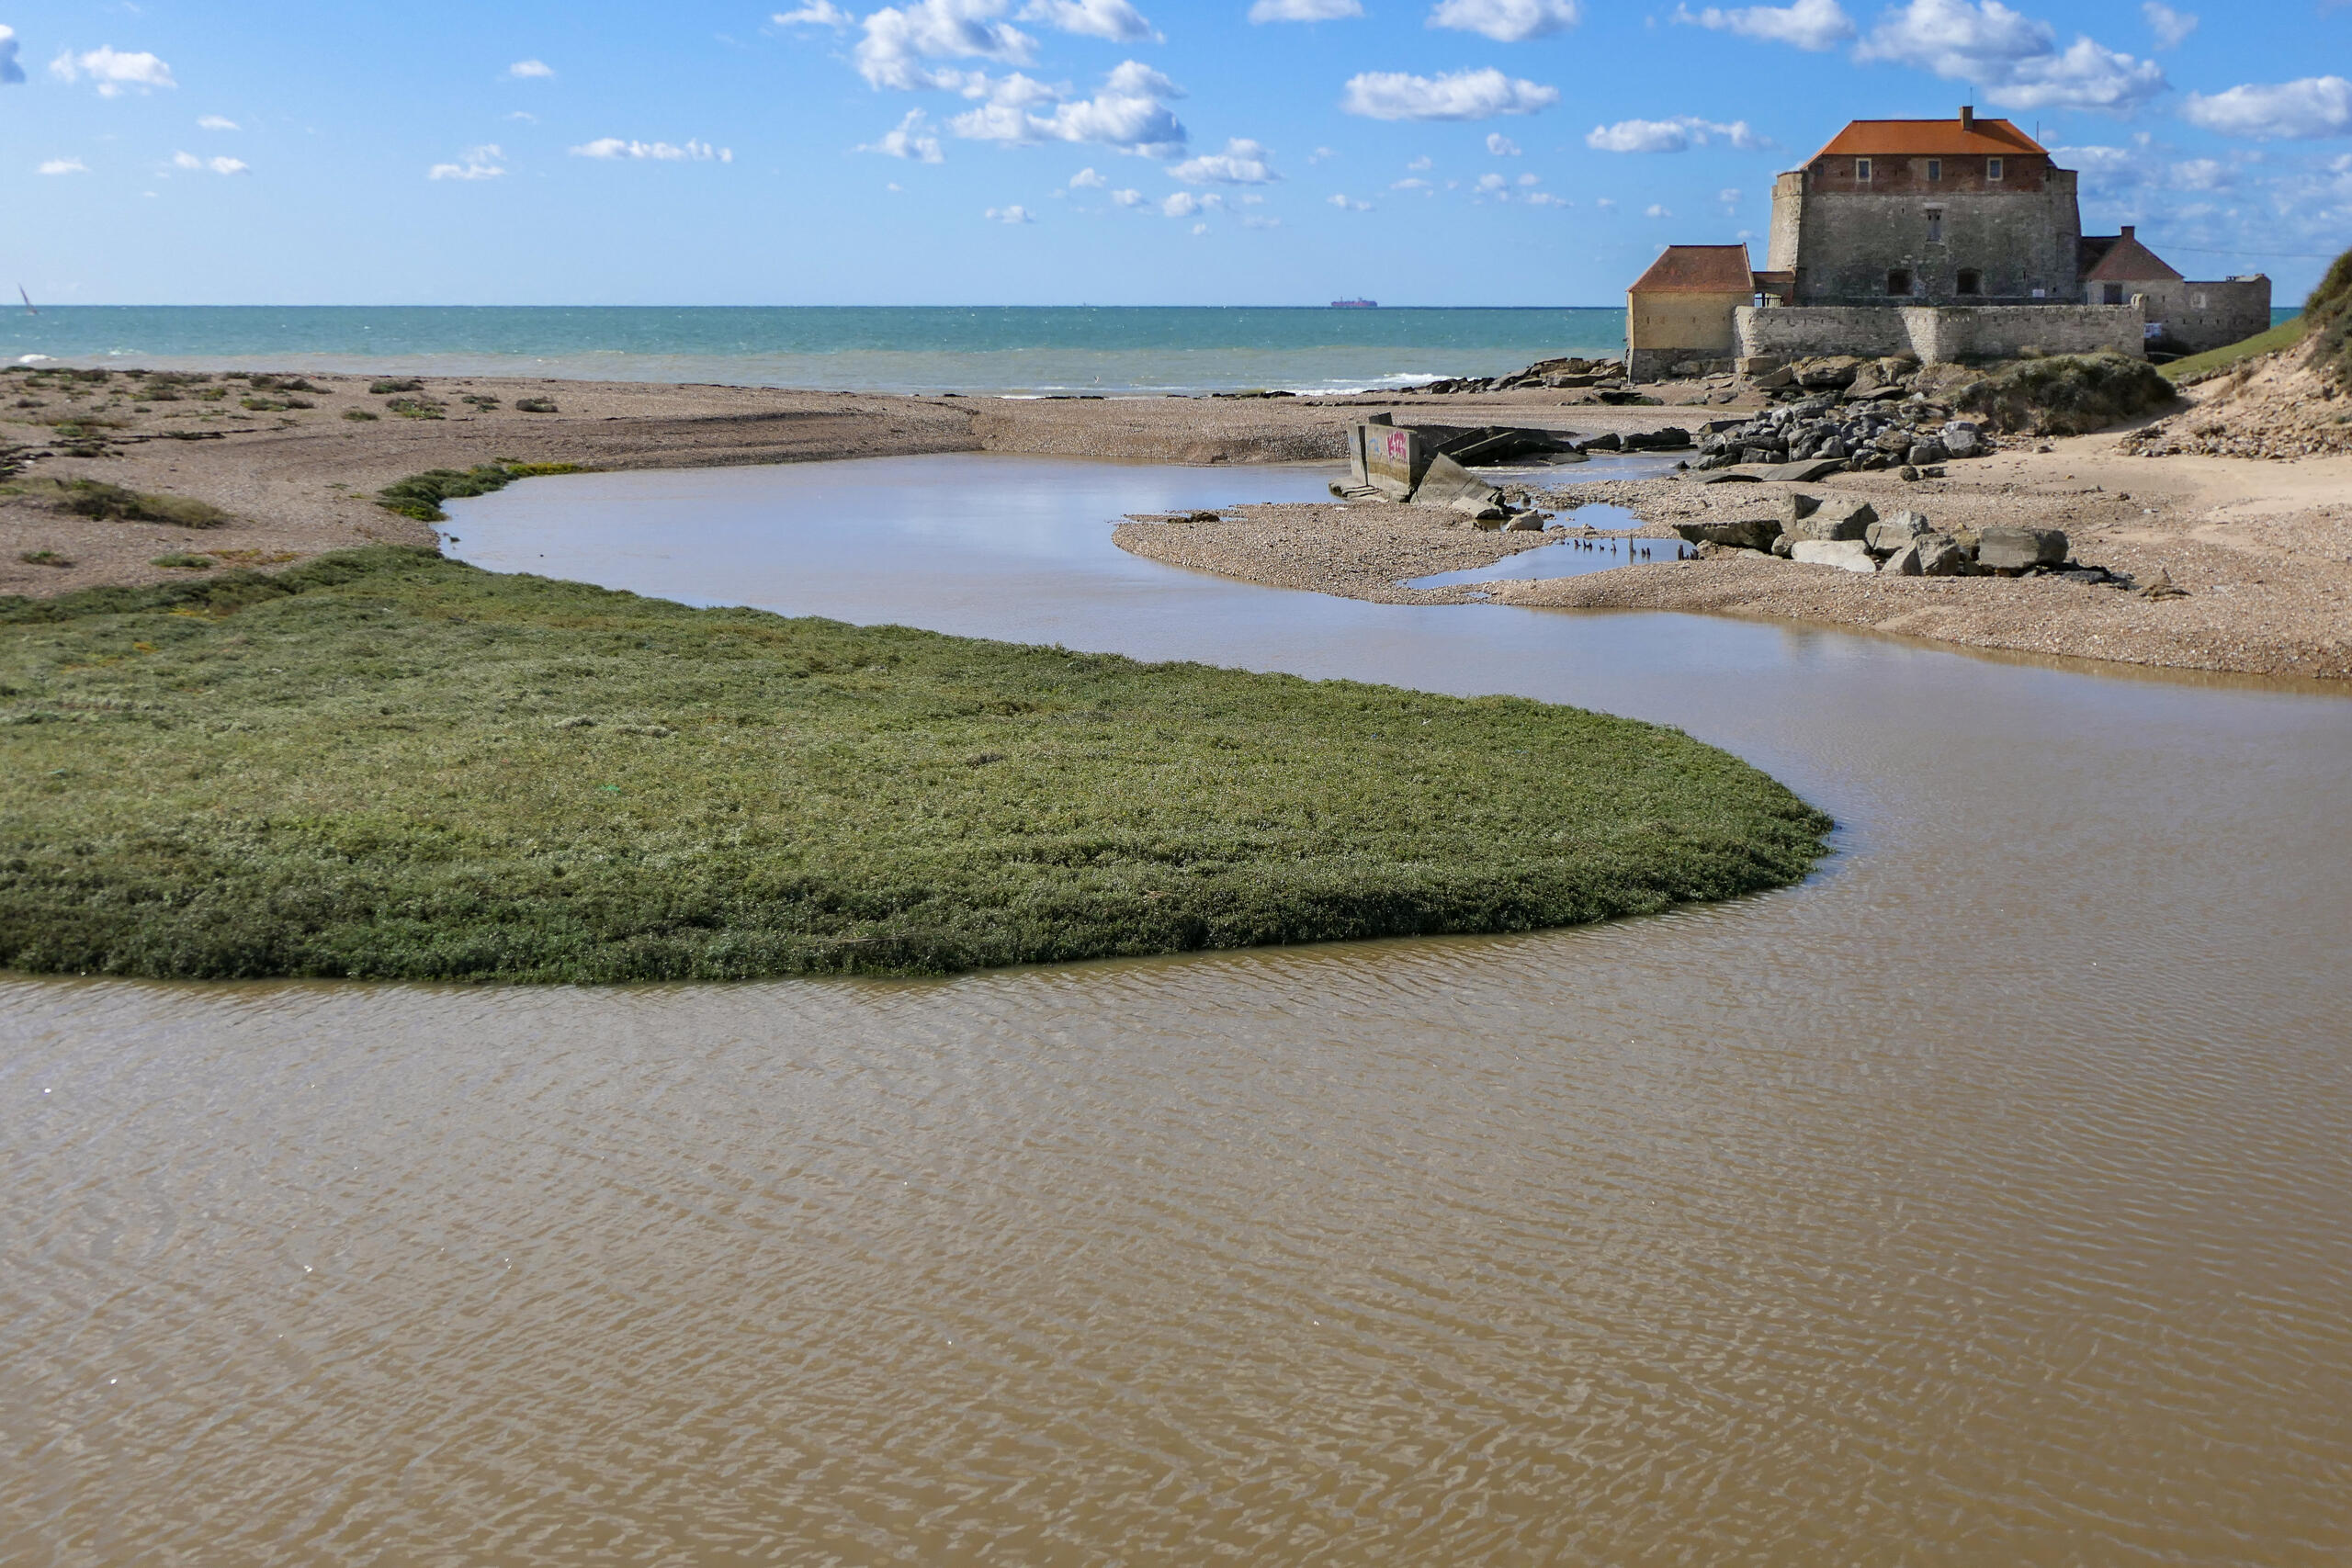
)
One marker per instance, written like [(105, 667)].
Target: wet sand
[(2263, 547)]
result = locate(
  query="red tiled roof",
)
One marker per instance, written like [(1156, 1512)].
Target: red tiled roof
[(1930, 138), (2123, 259), (1697, 269)]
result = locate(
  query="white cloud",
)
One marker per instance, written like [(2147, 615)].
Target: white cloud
[(2201, 173), (2014, 59), (659, 151), (2172, 28), (1321, 154), (1546, 198), (1243, 163), (112, 72), (1676, 135), (1814, 24), (527, 70), (1305, 10), (894, 187), (216, 165), (816, 14), (1349, 204), (1184, 204), (1113, 19), (1457, 95), (1410, 182), (1501, 146), (1607, 204), (1507, 21), (2314, 105), (1126, 114), (1254, 222), (1656, 212), (1126, 198), (1530, 180), (912, 139), (215, 122), (1087, 179), (1494, 185), (65, 166), (898, 39), (476, 164), (1010, 215), (1728, 197), (11, 74)]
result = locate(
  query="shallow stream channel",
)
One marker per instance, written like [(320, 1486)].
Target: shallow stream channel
[(1985, 1199)]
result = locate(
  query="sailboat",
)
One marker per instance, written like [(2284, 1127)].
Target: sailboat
[(27, 299)]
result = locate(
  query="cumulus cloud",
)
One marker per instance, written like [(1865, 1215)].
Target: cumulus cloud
[(112, 72), (1184, 204), (1126, 198), (2314, 105), (1501, 146), (1676, 135), (1254, 222), (1546, 198), (1087, 179), (525, 70), (216, 165), (1349, 204), (1243, 163), (899, 39), (1010, 215), (475, 164), (614, 147), (1507, 21), (2013, 57), (215, 122), (1728, 197), (1494, 185), (1128, 114), (2172, 28), (1457, 95), (816, 14), (11, 74), (1306, 10), (1113, 19), (913, 140), (1814, 24), (2201, 173), (1656, 211), (65, 166)]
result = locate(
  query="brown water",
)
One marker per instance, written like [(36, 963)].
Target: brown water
[(1988, 1199)]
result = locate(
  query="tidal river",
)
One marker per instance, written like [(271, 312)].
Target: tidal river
[(1985, 1200)]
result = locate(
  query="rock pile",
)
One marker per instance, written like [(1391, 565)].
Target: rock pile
[(1850, 534), (1563, 373), (1884, 428)]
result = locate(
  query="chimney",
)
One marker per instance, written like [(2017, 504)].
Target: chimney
[(1968, 117), (2130, 230)]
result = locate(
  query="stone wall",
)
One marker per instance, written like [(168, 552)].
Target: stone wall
[(2198, 316), (1842, 240), (1663, 330), (1935, 334)]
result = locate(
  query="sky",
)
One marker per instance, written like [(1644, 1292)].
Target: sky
[(1089, 152)]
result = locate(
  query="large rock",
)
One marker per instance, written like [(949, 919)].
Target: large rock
[(1837, 521), (1754, 533), (1847, 554), (1962, 439), (1924, 453), (2008, 549), (1828, 371), (1891, 534), (1939, 555), (1903, 562), (1796, 506)]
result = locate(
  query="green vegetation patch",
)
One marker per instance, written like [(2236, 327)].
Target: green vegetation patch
[(384, 764), (114, 504), (2197, 366), (420, 495), (2066, 394), (2328, 313)]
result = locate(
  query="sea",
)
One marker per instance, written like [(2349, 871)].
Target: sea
[(1019, 351)]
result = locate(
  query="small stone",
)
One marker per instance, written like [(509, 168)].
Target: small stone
[(1908, 474)]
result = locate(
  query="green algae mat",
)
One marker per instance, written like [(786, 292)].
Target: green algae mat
[(389, 765)]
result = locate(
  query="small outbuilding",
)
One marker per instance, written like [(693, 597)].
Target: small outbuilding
[(2184, 317), (1683, 308)]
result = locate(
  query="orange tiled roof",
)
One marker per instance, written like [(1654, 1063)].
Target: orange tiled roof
[(1697, 269), (1930, 138)]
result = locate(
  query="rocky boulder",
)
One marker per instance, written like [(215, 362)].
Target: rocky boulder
[(1753, 533), (1847, 554), (2009, 548), (1939, 555), (1891, 533), (1835, 522)]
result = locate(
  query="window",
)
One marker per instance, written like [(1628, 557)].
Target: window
[(1971, 281), (1992, 168), (1935, 169), (2115, 294), (1898, 281), (2201, 301), (1862, 169), (1935, 225)]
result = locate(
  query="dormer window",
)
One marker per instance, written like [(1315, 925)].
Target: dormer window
[(1935, 170), (1863, 171), (1992, 168)]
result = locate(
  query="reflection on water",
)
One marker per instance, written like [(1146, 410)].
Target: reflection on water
[(1568, 558), (1981, 1201)]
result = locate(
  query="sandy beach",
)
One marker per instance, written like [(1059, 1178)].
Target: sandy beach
[(2263, 547)]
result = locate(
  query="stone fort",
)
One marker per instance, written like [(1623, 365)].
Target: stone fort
[(1942, 239)]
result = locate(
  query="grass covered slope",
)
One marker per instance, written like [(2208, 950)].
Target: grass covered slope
[(386, 765)]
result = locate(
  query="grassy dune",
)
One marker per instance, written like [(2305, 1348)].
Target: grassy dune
[(2285, 335), (387, 764)]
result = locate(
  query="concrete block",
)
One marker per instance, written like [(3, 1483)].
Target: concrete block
[(1845, 554), (2008, 549)]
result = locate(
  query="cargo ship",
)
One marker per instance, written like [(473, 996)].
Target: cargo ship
[(1355, 304)]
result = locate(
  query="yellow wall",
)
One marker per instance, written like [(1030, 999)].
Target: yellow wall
[(1701, 322)]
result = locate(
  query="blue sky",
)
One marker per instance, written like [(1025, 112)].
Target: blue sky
[(1105, 152)]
